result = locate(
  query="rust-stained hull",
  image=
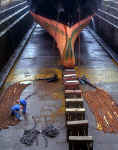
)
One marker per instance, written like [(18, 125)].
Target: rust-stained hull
[(64, 36)]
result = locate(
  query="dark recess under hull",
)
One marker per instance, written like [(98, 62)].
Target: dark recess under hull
[(65, 11)]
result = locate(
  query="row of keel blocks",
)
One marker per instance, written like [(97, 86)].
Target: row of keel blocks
[(77, 126), (70, 80)]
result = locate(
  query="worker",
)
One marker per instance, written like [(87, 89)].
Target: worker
[(24, 104), (15, 111)]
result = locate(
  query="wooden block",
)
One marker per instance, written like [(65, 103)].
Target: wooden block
[(77, 128), (79, 110), (77, 123), (74, 103), (74, 114), (70, 75), (69, 70), (67, 84), (80, 142), (69, 78), (79, 100), (71, 85), (71, 81), (83, 139), (73, 93)]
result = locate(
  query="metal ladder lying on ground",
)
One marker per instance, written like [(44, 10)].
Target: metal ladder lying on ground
[(77, 126)]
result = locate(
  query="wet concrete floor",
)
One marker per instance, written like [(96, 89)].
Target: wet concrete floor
[(41, 58)]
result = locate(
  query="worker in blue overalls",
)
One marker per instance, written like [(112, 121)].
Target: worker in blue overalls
[(15, 111), (24, 105)]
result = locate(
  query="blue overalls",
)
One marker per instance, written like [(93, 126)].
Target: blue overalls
[(24, 104), (15, 111)]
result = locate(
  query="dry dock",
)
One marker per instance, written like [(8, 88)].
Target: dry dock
[(46, 100)]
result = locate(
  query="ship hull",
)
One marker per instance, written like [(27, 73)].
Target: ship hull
[(64, 36), (64, 20)]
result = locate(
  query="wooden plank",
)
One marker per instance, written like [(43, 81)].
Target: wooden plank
[(69, 70), (81, 138), (74, 114), (79, 110), (74, 103), (71, 81), (72, 91), (69, 78), (71, 85), (77, 123), (77, 128), (74, 100), (70, 75), (80, 142)]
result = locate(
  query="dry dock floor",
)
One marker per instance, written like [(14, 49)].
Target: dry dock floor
[(46, 100)]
